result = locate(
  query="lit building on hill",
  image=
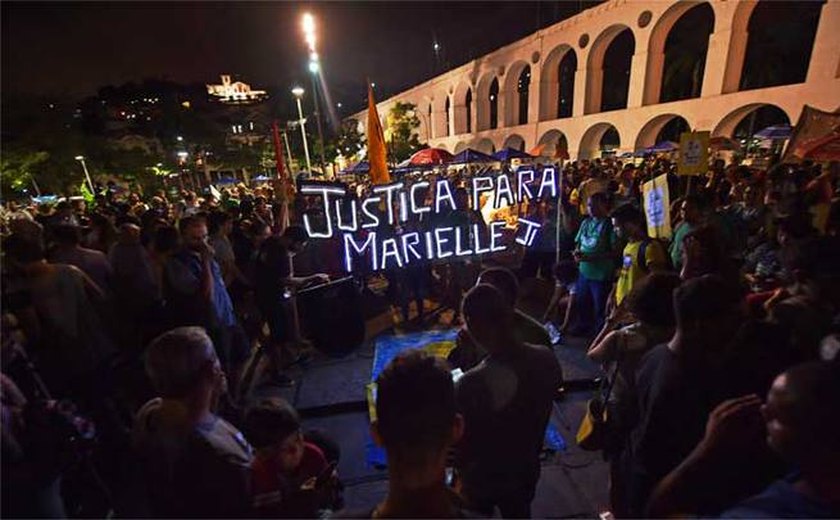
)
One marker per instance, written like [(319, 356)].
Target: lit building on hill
[(236, 92)]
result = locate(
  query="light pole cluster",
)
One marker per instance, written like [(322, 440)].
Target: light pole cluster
[(308, 24), (298, 93)]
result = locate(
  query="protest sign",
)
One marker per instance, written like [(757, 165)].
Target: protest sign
[(657, 205), (694, 153)]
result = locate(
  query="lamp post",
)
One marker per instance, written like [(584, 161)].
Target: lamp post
[(81, 159), (308, 24), (298, 93)]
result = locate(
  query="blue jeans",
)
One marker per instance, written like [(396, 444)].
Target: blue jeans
[(594, 292)]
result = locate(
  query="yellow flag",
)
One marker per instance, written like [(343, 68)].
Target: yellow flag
[(376, 144)]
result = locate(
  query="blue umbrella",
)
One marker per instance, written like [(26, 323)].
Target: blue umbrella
[(469, 155), (775, 132), (664, 146), (509, 153), (261, 178), (359, 167)]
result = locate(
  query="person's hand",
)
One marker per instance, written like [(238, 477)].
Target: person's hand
[(735, 425), (206, 251), (321, 277), (578, 255)]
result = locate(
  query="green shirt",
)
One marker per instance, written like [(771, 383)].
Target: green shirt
[(676, 249), (596, 236)]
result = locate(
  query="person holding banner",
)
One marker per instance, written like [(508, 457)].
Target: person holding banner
[(596, 249), (692, 211), (641, 256)]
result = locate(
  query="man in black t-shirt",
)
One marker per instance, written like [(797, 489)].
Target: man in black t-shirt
[(274, 283), (506, 401), (678, 384)]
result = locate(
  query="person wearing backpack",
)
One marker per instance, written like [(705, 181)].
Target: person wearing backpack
[(596, 251), (642, 254)]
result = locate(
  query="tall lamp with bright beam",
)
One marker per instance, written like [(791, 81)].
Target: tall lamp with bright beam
[(81, 159), (298, 93), (308, 24)]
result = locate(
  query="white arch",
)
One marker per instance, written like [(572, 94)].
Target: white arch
[(484, 145), (738, 46), (460, 146), (459, 107), (550, 82), (727, 124), (511, 94), (656, 47), (482, 102), (552, 139), (515, 141), (590, 143), (647, 135), (595, 66)]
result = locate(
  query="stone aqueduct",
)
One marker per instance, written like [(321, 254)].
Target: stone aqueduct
[(477, 105)]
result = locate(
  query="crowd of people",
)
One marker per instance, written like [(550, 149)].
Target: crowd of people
[(144, 312)]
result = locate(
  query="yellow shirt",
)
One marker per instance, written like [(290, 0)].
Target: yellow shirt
[(631, 273)]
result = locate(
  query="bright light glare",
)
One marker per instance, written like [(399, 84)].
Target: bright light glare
[(310, 40), (80, 157), (297, 91), (313, 66), (308, 23)]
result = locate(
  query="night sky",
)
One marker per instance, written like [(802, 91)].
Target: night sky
[(72, 49)]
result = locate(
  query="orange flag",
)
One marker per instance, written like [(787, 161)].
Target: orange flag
[(376, 144)]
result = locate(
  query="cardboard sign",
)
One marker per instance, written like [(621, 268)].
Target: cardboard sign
[(657, 204), (694, 153)]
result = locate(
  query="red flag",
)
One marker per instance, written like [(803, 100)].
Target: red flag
[(281, 185), (278, 151)]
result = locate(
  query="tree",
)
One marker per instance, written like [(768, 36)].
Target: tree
[(402, 125), (349, 141), (18, 167)]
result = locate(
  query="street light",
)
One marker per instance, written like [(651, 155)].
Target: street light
[(308, 23), (81, 159), (298, 93)]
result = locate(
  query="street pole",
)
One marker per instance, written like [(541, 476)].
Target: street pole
[(288, 150), (303, 134), (87, 174), (318, 122)]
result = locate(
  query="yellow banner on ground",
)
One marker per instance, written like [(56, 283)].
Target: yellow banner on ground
[(694, 153), (377, 156), (657, 204)]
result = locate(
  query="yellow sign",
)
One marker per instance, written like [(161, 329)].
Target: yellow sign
[(694, 153), (657, 204)]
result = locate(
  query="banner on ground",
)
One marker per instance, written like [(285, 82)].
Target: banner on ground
[(694, 153), (657, 203)]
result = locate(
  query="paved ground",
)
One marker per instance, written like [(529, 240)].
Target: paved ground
[(330, 395)]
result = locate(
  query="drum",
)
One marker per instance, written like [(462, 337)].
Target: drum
[(331, 316)]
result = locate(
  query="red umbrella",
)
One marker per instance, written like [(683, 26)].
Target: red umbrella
[(826, 148), (430, 156)]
